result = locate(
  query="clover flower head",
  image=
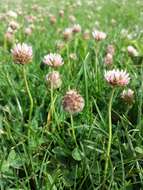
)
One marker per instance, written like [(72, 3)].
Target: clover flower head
[(22, 53), (117, 77), (73, 102)]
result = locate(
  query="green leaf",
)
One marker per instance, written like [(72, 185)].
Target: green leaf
[(14, 160), (139, 150), (5, 166), (77, 154), (68, 178), (11, 156), (59, 151), (52, 186)]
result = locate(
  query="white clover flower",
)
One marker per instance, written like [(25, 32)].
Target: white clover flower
[(128, 96), (117, 77), (73, 102), (98, 35), (22, 53), (132, 51), (53, 60), (53, 79)]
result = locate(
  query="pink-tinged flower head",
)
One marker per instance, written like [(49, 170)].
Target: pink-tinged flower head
[(53, 60), (132, 51), (128, 96), (97, 35), (28, 31), (76, 28), (67, 34), (110, 49), (53, 79), (60, 45), (22, 53), (73, 102), (72, 18), (117, 77), (108, 60), (30, 18), (86, 35), (53, 19), (14, 25), (61, 13)]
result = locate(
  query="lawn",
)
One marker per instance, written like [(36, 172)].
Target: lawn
[(71, 95)]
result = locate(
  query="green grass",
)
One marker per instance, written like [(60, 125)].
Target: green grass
[(36, 155)]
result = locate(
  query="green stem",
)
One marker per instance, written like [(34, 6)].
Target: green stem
[(110, 133), (52, 99), (68, 61), (73, 131), (97, 67), (140, 103), (86, 78), (50, 112), (28, 92), (76, 44)]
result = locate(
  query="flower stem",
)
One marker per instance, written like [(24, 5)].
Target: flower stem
[(50, 113), (110, 134), (28, 92), (73, 131)]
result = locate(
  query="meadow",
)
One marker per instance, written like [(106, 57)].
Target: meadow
[(71, 95)]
